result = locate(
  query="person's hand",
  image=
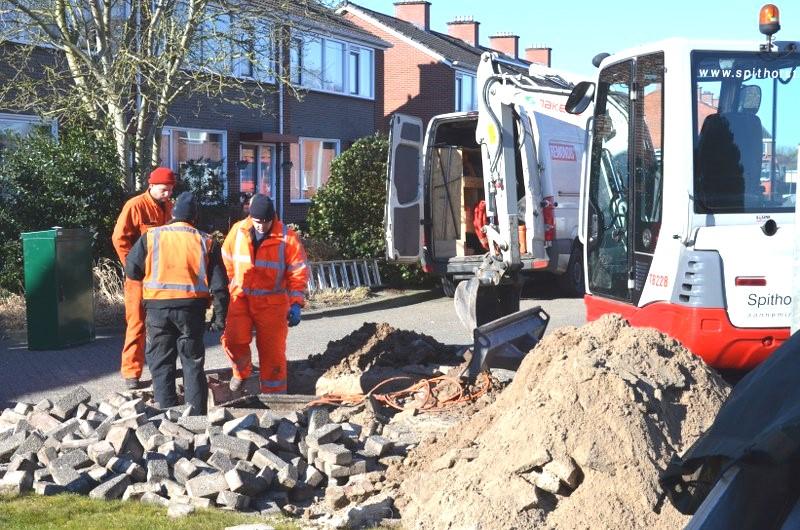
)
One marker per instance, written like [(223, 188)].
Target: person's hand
[(293, 316), (216, 325)]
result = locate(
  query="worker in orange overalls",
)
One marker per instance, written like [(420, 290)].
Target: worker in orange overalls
[(179, 267), (266, 264), (144, 211)]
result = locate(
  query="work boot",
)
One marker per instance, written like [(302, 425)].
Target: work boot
[(235, 384), (132, 383)]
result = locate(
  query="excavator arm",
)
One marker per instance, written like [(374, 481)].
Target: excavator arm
[(507, 136)]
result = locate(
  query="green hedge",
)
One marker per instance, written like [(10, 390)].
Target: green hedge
[(73, 182)]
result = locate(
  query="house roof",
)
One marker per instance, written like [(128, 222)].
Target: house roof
[(312, 15), (455, 51)]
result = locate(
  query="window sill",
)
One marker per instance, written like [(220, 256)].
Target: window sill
[(333, 93)]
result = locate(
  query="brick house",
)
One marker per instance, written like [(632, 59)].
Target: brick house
[(427, 72), (286, 151)]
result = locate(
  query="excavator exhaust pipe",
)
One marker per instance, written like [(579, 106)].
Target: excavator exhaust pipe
[(477, 304)]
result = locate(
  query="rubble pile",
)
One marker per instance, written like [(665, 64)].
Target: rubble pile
[(577, 440), (236, 459)]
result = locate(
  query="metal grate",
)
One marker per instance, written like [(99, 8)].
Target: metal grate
[(343, 274)]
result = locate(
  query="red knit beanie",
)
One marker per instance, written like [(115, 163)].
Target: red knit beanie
[(162, 175)]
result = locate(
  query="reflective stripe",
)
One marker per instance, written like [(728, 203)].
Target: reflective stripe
[(296, 266), (297, 293), (267, 264), (274, 386), (227, 256), (202, 285), (262, 292), (281, 260)]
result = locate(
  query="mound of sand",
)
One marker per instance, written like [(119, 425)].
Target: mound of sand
[(374, 352), (576, 441)]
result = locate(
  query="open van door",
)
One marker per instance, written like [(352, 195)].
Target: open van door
[(403, 217)]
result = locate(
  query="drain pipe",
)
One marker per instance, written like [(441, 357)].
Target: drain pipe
[(279, 179)]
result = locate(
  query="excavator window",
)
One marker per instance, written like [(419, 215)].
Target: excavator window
[(746, 134)]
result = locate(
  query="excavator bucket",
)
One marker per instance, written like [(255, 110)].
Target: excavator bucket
[(478, 304), (504, 342)]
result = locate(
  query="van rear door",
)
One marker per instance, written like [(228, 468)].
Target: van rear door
[(403, 216)]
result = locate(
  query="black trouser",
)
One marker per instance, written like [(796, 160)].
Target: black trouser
[(174, 331)]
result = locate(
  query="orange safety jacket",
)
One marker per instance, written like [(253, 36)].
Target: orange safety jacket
[(275, 272), (139, 214), (176, 263)]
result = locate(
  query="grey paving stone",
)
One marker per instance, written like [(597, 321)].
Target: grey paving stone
[(248, 421), (66, 405), (16, 482), (43, 421), (235, 447), (75, 458), (184, 469), (207, 485), (334, 454), (157, 467), (233, 500), (112, 488), (326, 434), (195, 424), (47, 488), (125, 443)]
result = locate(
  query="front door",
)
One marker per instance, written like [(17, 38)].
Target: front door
[(257, 169)]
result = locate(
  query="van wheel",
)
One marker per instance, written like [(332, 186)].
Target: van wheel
[(448, 286), (571, 282)]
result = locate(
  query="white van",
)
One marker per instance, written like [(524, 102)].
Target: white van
[(435, 182)]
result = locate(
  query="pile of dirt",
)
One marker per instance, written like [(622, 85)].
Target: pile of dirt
[(576, 441), (370, 354)]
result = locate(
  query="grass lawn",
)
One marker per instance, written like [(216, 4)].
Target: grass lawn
[(82, 513)]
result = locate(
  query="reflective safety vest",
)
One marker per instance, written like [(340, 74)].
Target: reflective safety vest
[(177, 263), (276, 272)]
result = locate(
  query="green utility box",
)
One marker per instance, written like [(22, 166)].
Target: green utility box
[(58, 288)]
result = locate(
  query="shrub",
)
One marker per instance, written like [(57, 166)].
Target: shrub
[(348, 211), (73, 182)]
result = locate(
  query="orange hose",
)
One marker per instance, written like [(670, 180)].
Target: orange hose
[(430, 389)]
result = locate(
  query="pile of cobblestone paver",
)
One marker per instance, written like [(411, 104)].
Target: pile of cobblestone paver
[(312, 462)]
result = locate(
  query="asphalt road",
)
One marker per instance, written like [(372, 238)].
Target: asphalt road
[(33, 375), (435, 317)]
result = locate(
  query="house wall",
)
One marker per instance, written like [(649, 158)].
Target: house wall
[(415, 83)]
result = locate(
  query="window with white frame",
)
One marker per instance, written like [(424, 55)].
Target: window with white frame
[(330, 65), (15, 127), (254, 53), (465, 93), (311, 166), (181, 148)]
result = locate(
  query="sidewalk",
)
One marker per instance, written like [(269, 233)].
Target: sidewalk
[(32, 375)]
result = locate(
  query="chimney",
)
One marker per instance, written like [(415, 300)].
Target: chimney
[(506, 43), (539, 54), (464, 28), (414, 11)]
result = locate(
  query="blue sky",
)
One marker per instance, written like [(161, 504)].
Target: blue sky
[(580, 29)]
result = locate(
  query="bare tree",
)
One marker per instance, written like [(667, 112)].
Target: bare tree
[(119, 65)]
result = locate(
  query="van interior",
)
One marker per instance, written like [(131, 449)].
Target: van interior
[(455, 187)]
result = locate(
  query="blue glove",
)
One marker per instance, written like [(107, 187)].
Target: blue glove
[(294, 315)]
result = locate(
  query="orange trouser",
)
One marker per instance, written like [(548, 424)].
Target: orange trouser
[(245, 313), (133, 349)]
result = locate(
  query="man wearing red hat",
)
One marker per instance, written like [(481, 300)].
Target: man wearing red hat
[(147, 210)]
